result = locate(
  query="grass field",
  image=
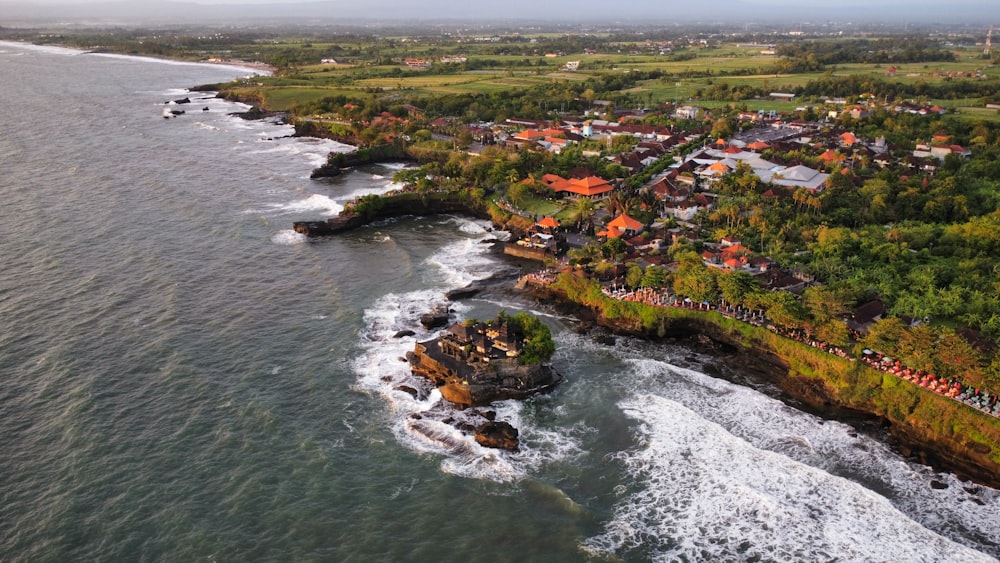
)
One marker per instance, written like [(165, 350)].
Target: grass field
[(732, 64)]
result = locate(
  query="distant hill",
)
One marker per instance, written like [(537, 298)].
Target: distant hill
[(561, 11)]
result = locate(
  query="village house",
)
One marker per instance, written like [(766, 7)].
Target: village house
[(687, 209), (417, 63), (593, 187)]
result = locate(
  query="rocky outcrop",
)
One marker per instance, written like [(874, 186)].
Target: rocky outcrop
[(255, 113), (537, 254), (436, 318), (470, 385), (832, 393), (338, 161), (500, 435), (388, 207)]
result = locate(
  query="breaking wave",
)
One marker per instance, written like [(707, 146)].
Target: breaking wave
[(726, 472), (419, 418)]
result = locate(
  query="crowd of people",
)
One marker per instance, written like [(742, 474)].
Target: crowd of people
[(659, 297)]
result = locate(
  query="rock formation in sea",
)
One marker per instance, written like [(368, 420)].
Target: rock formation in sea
[(474, 364)]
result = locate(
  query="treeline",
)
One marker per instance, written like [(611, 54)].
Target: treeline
[(871, 51), (540, 101), (844, 86)]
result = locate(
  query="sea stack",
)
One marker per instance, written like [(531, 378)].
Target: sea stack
[(475, 363)]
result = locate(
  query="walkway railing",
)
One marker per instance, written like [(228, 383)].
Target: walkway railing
[(951, 388)]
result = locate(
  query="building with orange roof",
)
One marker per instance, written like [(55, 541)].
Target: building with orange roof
[(717, 169), (548, 223), (551, 179), (591, 186), (625, 223), (831, 156), (610, 233), (848, 139), (530, 135)]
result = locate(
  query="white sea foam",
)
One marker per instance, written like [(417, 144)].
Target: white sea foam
[(421, 422), (313, 203), (721, 462), (288, 237), (47, 49), (835, 448), (705, 492), (243, 70), (465, 260), (394, 165), (278, 141), (373, 189)]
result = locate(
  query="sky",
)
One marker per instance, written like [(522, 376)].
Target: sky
[(983, 12)]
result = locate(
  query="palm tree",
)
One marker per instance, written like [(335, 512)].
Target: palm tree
[(583, 209), (649, 200), (616, 204)]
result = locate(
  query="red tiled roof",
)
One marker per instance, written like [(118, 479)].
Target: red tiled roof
[(530, 135), (832, 156), (624, 222), (589, 186), (611, 232)]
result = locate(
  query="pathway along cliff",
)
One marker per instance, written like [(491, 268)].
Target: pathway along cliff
[(827, 393)]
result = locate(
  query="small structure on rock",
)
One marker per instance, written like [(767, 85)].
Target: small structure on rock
[(475, 363)]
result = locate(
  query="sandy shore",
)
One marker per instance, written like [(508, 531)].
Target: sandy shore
[(259, 67)]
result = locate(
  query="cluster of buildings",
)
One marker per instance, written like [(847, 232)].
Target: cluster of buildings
[(480, 342), (685, 188)]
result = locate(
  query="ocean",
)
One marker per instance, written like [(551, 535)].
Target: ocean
[(185, 378)]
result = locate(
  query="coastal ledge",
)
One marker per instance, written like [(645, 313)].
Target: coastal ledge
[(925, 426), (373, 208)]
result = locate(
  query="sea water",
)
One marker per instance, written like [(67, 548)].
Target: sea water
[(184, 377)]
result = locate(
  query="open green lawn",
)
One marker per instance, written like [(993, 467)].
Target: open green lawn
[(979, 114), (286, 98), (541, 206), (749, 67)]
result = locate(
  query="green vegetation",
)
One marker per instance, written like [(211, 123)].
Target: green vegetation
[(851, 384), (538, 344), (919, 233)]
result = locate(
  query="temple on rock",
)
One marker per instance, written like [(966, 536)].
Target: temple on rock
[(479, 342)]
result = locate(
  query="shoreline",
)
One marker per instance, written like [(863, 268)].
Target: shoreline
[(814, 383), (758, 363), (253, 66)]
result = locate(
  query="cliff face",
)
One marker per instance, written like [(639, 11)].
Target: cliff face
[(936, 430), (400, 206), (471, 385)]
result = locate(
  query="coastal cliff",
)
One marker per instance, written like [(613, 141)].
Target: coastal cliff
[(375, 208), (931, 428), (935, 430)]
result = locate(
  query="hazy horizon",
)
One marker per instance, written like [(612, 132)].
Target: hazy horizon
[(83, 12)]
